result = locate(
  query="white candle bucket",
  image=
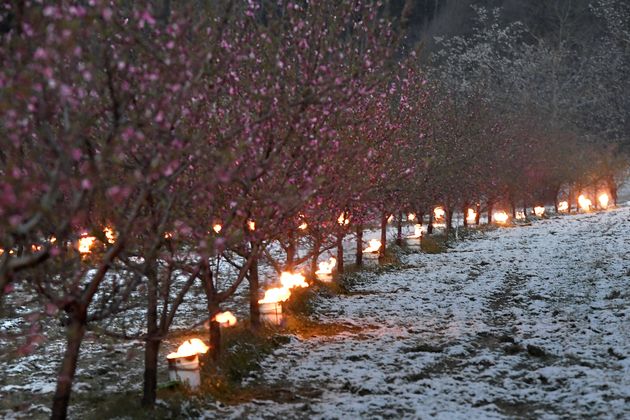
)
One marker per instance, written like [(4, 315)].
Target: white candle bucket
[(271, 313), (185, 370), (325, 277)]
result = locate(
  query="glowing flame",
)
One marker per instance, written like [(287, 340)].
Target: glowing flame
[(520, 215), (251, 225), (326, 267), (168, 235), (563, 206), (227, 319), (343, 219), (500, 217), (189, 348), (539, 211), (390, 218), (275, 295), (303, 226), (35, 248), (374, 245), (471, 216), (292, 280), (217, 228), (585, 203), (411, 217), (603, 200), (85, 243), (438, 213), (109, 235)]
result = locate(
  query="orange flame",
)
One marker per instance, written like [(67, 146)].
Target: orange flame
[(326, 267), (251, 225), (374, 245), (520, 215), (500, 217), (471, 216), (539, 211), (292, 280), (189, 348), (411, 217), (563, 206), (110, 235), (227, 318), (390, 218), (85, 243), (217, 228), (343, 219), (603, 200), (303, 226), (438, 213), (276, 294), (585, 203)]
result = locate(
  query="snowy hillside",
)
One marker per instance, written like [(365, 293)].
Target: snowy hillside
[(528, 321)]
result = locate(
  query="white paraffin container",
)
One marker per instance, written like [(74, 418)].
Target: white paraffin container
[(271, 313), (325, 277), (185, 370)]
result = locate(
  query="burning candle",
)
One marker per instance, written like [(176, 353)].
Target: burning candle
[(471, 216), (325, 269), (603, 200), (438, 213), (417, 232), (584, 203), (374, 245), (539, 211), (500, 217), (292, 280), (225, 319), (183, 365), (85, 243), (110, 235), (271, 306)]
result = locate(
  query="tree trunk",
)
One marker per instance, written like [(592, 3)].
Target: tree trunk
[(359, 254), (381, 251), (430, 225), (489, 213), (74, 337), (399, 240), (291, 251), (478, 215), (213, 308), (448, 214), (316, 246), (254, 306), (612, 186), (152, 343), (340, 253), (514, 210), (569, 199), (151, 351)]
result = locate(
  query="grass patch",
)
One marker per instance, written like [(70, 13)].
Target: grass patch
[(434, 244)]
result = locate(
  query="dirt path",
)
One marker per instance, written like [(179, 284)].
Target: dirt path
[(527, 322)]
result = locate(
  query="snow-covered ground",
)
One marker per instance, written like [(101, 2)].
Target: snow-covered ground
[(531, 321)]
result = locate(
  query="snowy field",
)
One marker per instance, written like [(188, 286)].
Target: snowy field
[(531, 321)]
